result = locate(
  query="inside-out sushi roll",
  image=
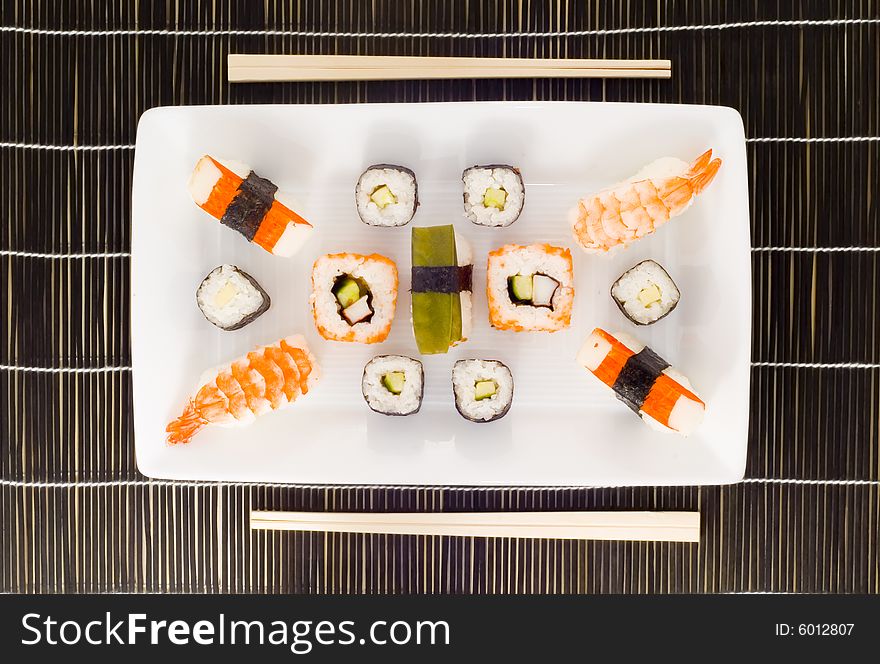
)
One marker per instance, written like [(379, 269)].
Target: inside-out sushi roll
[(354, 297), (645, 293), (483, 389), (494, 195), (249, 204), (442, 271), (387, 195), (643, 380), (230, 298), (530, 288), (393, 384)]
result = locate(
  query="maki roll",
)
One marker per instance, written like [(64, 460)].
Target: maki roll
[(493, 195), (530, 288), (645, 293), (643, 380), (230, 298), (393, 384), (249, 204), (442, 272), (354, 297), (387, 195), (483, 389)]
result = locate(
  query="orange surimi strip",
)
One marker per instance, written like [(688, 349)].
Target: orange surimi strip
[(614, 362)]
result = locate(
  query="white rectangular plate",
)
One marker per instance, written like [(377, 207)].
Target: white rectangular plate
[(564, 427)]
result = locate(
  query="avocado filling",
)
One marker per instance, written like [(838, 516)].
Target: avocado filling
[(650, 295), (382, 196), (495, 198), (394, 381), (485, 389), (353, 298), (534, 290)]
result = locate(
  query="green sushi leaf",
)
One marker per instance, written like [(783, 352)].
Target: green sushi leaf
[(433, 246), (436, 316), (433, 322)]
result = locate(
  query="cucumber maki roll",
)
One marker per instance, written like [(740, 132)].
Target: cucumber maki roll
[(483, 389), (393, 385), (230, 298), (387, 195), (442, 269), (493, 195), (645, 293)]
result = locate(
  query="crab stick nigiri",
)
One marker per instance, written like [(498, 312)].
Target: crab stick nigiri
[(249, 204), (643, 381)]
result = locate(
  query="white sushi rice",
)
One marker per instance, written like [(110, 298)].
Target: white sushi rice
[(525, 260), (480, 178), (464, 256), (226, 297), (380, 277), (383, 400), (401, 183), (627, 288), (466, 374)]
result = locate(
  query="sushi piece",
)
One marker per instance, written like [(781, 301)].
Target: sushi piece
[(393, 385), (442, 275), (268, 378), (354, 297), (387, 195), (483, 389), (230, 298), (643, 380), (530, 288), (494, 195), (625, 212), (645, 293), (249, 204)]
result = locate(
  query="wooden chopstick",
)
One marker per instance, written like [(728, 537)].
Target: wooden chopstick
[(256, 67), (630, 526)]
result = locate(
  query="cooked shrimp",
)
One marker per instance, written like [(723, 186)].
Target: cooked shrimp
[(635, 208), (268, 378)]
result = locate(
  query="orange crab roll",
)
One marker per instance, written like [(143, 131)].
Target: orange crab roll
[(530, 288), (643, 381), (354, 297), (249, 204)]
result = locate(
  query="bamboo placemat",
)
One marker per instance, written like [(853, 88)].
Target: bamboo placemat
[(76, 516)]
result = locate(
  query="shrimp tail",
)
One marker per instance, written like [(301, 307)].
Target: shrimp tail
[(186, 426), (700, 163), (704, 178)]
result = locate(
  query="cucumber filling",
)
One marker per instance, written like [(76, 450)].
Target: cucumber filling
[(495, 198), (394, 381), (485, 389), (382, 196), (353, 299), (535, 290)]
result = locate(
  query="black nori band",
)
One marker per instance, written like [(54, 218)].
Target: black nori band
[(251, 203), (442, 279), (637, 377)]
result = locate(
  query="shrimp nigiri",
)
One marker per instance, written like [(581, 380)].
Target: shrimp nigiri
[(266, 379), (635, 208)]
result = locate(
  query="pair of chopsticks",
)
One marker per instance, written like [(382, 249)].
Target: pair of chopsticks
[(627, 526), (263, 68)]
